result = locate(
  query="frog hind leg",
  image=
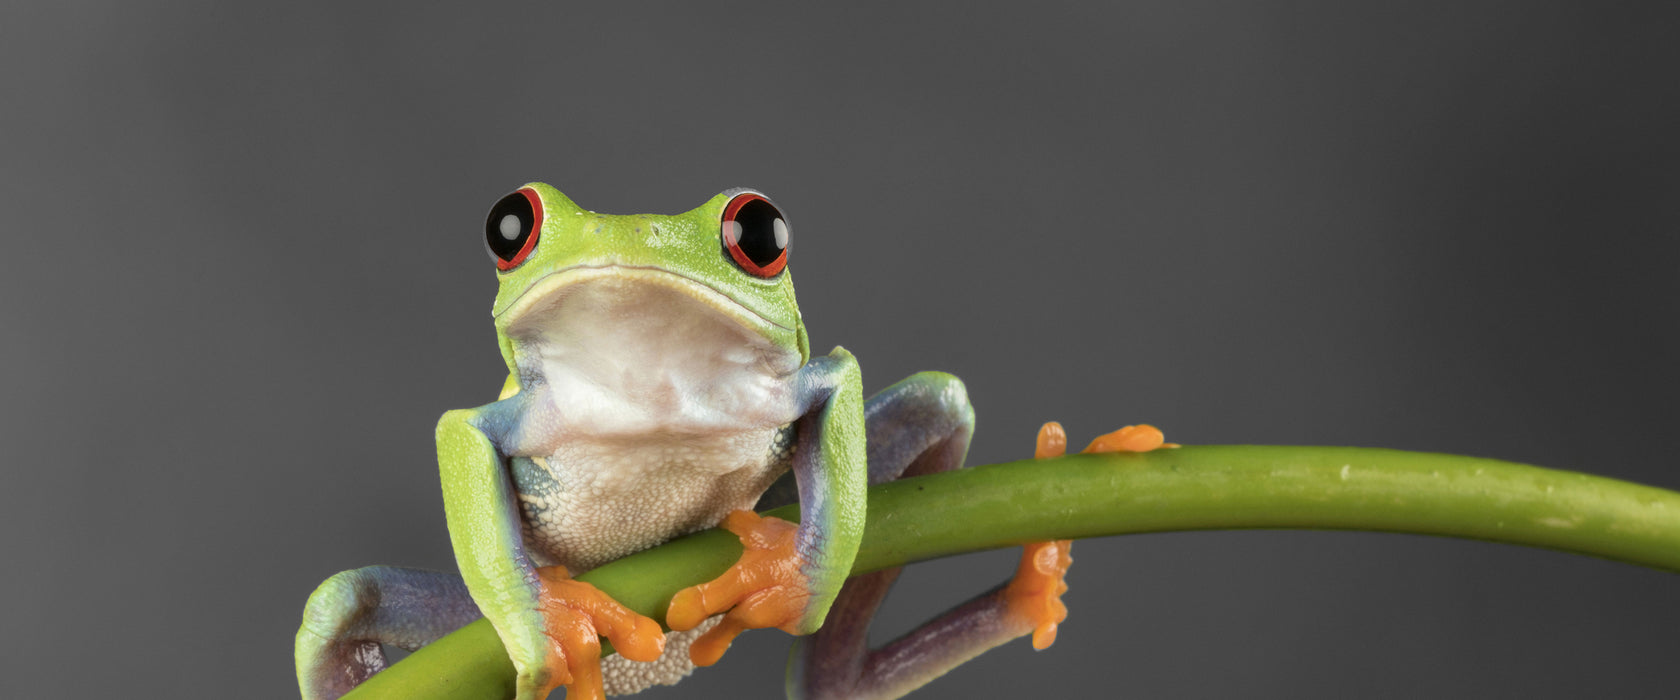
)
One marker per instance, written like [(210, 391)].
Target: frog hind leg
[(920, 426), (351, 614)]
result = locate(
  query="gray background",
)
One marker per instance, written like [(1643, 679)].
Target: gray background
[(242, 276)]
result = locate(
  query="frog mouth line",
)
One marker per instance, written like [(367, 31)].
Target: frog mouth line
[(553, 282)]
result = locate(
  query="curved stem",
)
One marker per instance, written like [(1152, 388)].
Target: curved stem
[(1191, 488)]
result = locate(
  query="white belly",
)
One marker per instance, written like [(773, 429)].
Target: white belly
[(604, 499)]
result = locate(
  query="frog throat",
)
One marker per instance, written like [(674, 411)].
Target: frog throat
[(641, 308)]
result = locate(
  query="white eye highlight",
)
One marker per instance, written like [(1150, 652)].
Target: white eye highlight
[(781, 232), (732, 232), (509, 227)]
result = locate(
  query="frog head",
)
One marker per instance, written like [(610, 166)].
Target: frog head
[(714, 275)]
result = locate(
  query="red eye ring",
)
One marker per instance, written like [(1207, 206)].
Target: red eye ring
[(755, 234), (512, 228)]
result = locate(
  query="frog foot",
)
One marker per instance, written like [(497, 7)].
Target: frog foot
[(766, 588), (1035, 594), (576, 616)]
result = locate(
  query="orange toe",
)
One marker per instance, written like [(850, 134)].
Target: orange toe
[(766, 588), (1052, 441), (1132, 438), (709, 648)]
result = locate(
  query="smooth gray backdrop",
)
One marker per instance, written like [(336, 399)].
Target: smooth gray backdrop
[(241, 277)]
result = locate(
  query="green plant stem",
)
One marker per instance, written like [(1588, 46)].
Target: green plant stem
[(1191, 488)]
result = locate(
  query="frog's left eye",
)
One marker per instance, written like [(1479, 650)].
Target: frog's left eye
[(755, 234), (512, 229)]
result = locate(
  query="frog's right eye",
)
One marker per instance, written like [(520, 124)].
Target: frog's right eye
[(755, 234), (512, 229)]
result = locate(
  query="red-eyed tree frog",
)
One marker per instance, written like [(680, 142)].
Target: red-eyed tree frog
[(660, 382)]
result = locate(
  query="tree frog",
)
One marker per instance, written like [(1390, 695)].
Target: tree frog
[(660, 382)]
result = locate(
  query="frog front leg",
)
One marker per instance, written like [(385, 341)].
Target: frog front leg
[(789, 575), (921, 425), (549, 623)]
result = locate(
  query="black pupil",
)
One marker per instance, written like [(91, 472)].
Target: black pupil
[(758, 220), (509, 226)]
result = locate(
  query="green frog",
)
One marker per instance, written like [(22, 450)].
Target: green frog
[(661, 382)]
